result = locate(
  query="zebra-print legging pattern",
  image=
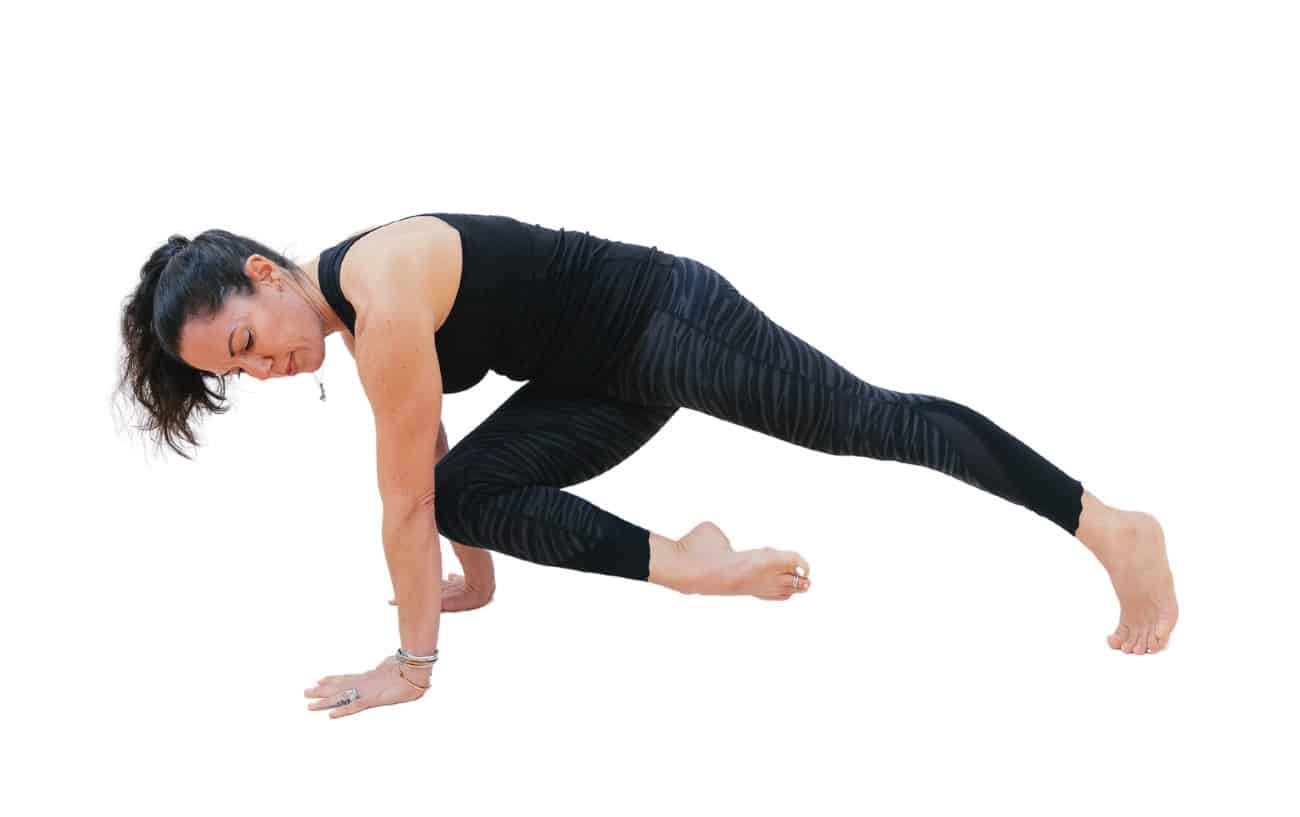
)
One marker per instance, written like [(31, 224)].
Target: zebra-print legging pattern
[(710, 349)]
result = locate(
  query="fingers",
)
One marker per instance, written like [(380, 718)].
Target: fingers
[(452, 588), (332, 703), (350, 709), (332, 700), (330, 685), (452, 581), (449, 583), (323, 686)]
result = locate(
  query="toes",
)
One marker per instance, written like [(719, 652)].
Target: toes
[(783, 587), (794, 570), (1129, 640), (1140, 639), (1162, 630), (1116, 639), (1140, 643), (799, 562)]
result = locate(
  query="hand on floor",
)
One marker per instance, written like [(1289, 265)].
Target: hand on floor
[(459, 594), (384, 685)]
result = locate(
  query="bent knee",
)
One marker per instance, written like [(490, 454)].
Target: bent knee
[(458, 492)]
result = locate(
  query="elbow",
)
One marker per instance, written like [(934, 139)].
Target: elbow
[(424, 499), (411, 509)]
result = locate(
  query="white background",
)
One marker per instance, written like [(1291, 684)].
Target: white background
[(1079, 219)]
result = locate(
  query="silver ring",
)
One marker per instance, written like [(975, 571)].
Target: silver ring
[(351, 696)]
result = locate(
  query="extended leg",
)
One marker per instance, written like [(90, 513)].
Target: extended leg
[(710, 349)]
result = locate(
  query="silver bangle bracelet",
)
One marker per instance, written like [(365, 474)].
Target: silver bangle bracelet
[(416, 660)]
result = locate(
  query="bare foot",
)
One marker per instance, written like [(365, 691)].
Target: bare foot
[(704, 562), (1131, 546)]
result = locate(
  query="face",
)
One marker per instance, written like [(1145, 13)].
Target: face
[(260, 333)]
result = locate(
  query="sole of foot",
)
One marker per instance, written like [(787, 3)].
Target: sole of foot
[(1133, 552)]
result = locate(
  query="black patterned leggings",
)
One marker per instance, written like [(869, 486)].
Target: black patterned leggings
[(706, 348)]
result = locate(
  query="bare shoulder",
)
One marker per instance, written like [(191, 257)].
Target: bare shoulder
[(417, 259)]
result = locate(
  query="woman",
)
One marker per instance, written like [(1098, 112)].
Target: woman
[(612, 339)]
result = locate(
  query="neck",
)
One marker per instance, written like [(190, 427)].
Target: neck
[(330, 322)]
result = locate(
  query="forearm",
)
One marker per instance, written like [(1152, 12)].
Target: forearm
[(415, 567)]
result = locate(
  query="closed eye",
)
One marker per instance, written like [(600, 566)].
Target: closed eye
[(240, 372)]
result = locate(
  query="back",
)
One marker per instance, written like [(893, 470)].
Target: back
[(533, 302)]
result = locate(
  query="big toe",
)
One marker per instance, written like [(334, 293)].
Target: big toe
[(796, 567), (1116, 639), (1160, 634), (780, 573)]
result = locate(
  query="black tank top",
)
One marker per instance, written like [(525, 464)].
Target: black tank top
[(533, 303)]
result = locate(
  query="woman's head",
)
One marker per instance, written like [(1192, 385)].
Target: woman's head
[(219, 305)]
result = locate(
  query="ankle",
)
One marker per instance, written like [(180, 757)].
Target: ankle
[(1097, 521), (670, 565), (1103, 528)]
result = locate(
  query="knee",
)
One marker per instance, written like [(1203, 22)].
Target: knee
[(458, 492)]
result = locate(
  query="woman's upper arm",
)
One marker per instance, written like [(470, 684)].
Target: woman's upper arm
[(398, 366)]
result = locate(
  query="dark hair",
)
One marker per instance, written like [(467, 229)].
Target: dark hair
[(181, 279)]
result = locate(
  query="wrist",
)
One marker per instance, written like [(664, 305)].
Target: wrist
[(413, 660), (420, 676), (419, 679)]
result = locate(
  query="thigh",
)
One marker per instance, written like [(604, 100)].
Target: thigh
[(500, 486), (711, 349), (553, 435), (708, 348)]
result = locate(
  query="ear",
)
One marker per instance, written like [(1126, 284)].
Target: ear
[(259, 268)]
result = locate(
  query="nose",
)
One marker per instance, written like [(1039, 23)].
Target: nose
[(266, 371)]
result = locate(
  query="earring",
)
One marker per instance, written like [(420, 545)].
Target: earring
[(319, 383)]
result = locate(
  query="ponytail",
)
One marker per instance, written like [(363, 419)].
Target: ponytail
[(181, 279)]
